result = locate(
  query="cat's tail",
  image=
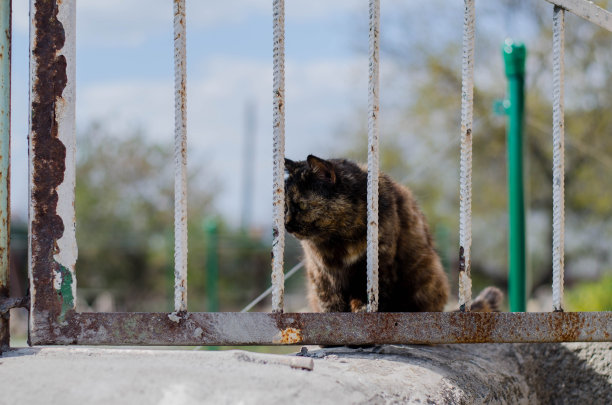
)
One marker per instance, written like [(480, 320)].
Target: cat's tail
[(489, 300)]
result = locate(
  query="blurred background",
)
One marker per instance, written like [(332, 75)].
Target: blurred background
[(125, 122)]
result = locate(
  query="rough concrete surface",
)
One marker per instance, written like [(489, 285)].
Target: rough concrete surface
[(443, 374)]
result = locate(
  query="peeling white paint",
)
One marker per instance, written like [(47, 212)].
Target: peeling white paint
[(174, 317), (65, 114), (57, 280)]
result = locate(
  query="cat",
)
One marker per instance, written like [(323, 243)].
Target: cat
[(325, 209)]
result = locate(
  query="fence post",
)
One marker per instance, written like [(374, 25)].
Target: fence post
[(5, 156), (514, 58), (52, 155)]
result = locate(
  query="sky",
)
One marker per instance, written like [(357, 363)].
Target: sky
[(125, 82)]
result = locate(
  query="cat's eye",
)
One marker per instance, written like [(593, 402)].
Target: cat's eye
[(303, 205)]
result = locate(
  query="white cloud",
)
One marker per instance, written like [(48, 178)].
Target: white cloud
[(127, 104), (121, 23), (319, 94)]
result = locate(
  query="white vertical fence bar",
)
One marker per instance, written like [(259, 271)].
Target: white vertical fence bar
[(558, 156), (373, 111), (66, 113), (465, 170), (180, 157), (278, 197)]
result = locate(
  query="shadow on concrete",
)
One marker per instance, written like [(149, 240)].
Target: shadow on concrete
[(20, 352), (568, 373), (554, 373)]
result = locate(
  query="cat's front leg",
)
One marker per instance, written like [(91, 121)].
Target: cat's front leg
[(358, 305), (323, 292), (332, 302)]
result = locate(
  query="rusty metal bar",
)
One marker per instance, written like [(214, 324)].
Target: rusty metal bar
[(5, 166), (587, 10), (558, 219), (52, 138), (180, 157), (278, 153), (373, 164), (9, 303), (234, 328), (465, 162)]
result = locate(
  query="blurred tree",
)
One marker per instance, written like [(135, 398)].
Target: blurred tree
[(421, 121), (125, 211), (125, 217), (590, 295)]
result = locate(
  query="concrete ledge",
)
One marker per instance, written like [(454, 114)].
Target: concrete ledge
[(451, 374)]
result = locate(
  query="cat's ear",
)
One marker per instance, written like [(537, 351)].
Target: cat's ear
[(324, 169), (289, 166)]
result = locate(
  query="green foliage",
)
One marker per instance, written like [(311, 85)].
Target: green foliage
[(590, 295), (124, 210), (125, 220), (419, 140)]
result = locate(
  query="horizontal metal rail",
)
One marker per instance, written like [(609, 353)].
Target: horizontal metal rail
[(234, 328), (587, 10)]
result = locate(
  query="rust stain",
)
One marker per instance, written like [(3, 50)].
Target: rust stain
[(485, 326), (48, 155), (566, 325), (461, 259), (290, 327), (290, 336), (472, 327)]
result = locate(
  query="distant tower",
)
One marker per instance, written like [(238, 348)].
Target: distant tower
[(248, 165)]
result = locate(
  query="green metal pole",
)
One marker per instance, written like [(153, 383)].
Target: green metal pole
[(5, 151), (514, 58), (212, 265)]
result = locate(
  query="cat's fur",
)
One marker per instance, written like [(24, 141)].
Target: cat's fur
[(326, 210)]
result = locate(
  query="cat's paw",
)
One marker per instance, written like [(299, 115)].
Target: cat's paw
[(358, 305)]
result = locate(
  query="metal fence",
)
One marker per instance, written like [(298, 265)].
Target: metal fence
[(52, 242)]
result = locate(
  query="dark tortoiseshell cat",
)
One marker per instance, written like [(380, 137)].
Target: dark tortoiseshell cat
[(325, 209)]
